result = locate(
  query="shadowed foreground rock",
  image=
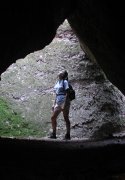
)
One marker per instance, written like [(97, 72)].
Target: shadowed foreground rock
[(52, 159)]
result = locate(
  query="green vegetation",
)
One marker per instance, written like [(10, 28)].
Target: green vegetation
[(13, 125)]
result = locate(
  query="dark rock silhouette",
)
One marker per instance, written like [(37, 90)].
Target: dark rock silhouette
[(99, 25)]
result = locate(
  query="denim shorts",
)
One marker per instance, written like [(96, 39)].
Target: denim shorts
[(60, 102)]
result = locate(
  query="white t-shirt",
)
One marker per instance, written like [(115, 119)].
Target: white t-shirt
[(60, 90), (60, 87)]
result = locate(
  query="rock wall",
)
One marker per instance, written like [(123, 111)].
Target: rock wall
[(99, 26), (28, 84), (27, 27)]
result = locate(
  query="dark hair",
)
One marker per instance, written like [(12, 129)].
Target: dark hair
[(65, 76)]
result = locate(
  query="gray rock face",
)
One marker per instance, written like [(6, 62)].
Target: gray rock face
[(97, 111)]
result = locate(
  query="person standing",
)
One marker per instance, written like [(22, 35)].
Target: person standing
[(61, 104)]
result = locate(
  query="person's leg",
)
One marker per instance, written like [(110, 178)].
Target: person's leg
[(66, 118), (54, 122)]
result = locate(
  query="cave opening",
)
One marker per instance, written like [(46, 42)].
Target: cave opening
[(103, 157)]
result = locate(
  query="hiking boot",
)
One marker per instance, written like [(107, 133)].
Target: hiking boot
[(67, 136), (52, 136)]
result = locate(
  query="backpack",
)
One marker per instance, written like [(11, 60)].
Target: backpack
[(71, 93)]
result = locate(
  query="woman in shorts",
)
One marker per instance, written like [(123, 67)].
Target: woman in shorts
[(61, 104)]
